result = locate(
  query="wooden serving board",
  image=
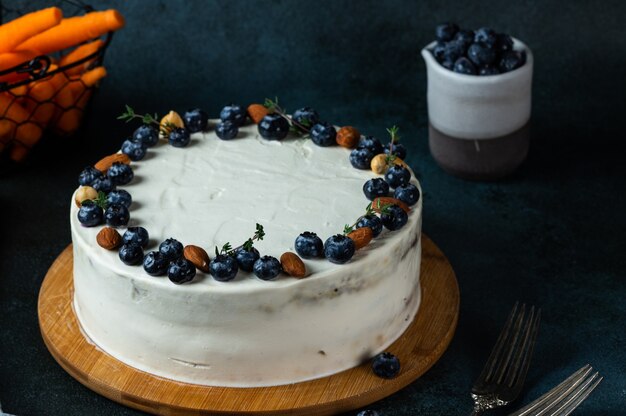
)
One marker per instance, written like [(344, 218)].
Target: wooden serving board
[(418, 349)]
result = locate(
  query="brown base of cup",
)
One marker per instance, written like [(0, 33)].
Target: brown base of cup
[(485, 159)]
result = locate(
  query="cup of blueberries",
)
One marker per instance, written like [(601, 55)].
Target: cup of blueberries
[(479, 86)]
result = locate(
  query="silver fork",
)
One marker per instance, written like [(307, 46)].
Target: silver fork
[(564, 398), (502, 378)]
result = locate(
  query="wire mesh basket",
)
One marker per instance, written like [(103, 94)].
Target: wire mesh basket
[(48, 92)]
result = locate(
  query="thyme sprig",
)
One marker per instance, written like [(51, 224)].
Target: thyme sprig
[(294, 126), (100, 200), (391, 156), (147, 118), (369, 210), (228, 250)]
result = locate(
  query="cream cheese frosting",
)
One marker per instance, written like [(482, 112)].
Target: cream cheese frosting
[(248, 332)]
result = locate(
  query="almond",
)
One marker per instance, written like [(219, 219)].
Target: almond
[(85, 193), (386, 200), (361, 237), (109, 238), (379, 163), (257, 112), (348, 136), (106, 162), (292, 264), (198, 257), (171, 119)]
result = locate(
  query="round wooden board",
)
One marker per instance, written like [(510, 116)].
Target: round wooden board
[(418, 349)]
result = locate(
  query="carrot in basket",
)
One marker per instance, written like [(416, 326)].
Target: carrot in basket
[(38, 103), (26, 134), (25, 27), (70, 119), (75, 30), (79, 53), (11, 59)]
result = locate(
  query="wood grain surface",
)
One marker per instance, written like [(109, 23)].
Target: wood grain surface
[(418, 349)]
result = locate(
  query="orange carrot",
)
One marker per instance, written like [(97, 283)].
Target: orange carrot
[(75, 30), (79, 53), (38, 103), (27, 134), (11, 59), (70, 119), (20, 91), (21, 29)]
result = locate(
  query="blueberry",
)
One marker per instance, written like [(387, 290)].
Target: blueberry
[(386, 365), (488, 70), (137, 235), (372, 144), (120, 173), (267, 268), (147, 135), (361, 158), (273, 127), (181, 271), (196, 120), (504, 43), (438, 50), (452, 52), (246, 258), (368, 413), (171, 249), (103, 184), (235, 114), (309, 245), (116, 215), (376, 187), (306, 116), (409, 194), (179, 137), (397, 175), (323, 134), (89, 175), (223, 268), (480, 54), (90, 214), (394, 217), (131, 254), (464, 38), (486, 35), (372, 221), (510, 60), (226, 130), (155, 263), (339, 249), (398, 149), (464, 66), (135, 150), (446, 31), (119, 196)]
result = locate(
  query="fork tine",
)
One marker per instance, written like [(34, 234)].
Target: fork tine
[(497, 348), (548, 400), (576, 397), (511, 346), (519, 368)]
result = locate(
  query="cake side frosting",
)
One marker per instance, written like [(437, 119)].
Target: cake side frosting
[(248, 332)]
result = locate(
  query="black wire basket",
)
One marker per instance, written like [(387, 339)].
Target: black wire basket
[(25, 113)]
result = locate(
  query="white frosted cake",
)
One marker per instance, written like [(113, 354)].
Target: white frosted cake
[(248, 332)]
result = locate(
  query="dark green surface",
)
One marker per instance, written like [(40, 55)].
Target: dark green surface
[(552, 235)]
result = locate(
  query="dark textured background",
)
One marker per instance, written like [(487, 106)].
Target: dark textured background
[(552, 235)]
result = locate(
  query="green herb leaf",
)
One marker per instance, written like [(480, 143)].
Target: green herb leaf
[(347, 229)]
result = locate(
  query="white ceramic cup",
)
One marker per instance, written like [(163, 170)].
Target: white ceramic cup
[(478, 107)]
